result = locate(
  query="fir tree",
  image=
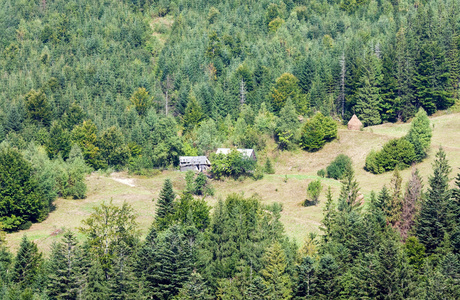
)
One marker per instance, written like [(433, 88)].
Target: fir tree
[(306, 282), (96, 287), (420, 134), (165, 206), (195, 289), (193, 113), (274, 273), (28, 263), (328, 219), (66, 268), (327, 273), (349, 193), (369, 100), (432, 223)]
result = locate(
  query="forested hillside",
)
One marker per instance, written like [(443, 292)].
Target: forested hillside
[(125, 77), (132, 85)]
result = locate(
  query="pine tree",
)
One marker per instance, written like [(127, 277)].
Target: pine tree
[(165, 206), (274, 273), (420, 134), (172, 264), (327, 273), (329, 213), (96, 285), (38, 108), (195, 289), (349, 193), (368, 103), (306, 282), (193, 113), (66, 268), (432, 223), (28, 263)]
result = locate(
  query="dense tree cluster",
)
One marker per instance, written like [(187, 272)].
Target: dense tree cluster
[(135, 84), (402, 152), (403, 244)]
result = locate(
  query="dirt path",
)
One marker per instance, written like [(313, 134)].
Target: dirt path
[(126, 181)]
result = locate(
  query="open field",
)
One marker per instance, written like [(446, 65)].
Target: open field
[(294, 170)]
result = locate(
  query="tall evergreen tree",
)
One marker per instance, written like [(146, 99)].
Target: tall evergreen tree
[(165, 206), (432, 223), (28, 264), (66, 269), (394, 207), (274, 273), (368, 103), (420, 134), (306, 278)]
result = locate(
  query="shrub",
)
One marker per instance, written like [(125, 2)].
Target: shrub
[(268, 168), (313, 192), (321, 173), (338, 166), (233, 165), (317, 131), (395, 153)]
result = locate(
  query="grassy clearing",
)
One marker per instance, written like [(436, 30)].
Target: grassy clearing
[(298, 167)]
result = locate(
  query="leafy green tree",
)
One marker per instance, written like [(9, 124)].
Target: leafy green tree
[(274, 273), (395, 153), (420, 134), (208, 136), (432, 223), (141, 100), (286, 87), (165, 206), (191, 211), (38, 108), (113, 147), (28, 264), (66, 268), (313, 191), (107, 228), (85, 136), (287, 126)]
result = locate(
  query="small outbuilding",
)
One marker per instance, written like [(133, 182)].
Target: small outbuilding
[(194, 163), (354, 123), (248, 153)]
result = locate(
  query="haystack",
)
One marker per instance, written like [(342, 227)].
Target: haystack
[(354, 123)]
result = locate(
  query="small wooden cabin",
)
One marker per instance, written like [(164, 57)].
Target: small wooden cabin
[(248, 153), (194, 163)]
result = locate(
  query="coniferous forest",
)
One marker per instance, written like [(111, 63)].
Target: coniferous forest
[(134, 84)]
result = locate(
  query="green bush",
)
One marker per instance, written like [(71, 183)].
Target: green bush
[(313, 191), (268, 168), (321, 173), (338, 166), (233, 165), (395, 153), (317, 131)]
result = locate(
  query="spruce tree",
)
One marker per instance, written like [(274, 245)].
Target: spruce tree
[(306, 278), (165, 206), (328, 213), (96, 285), (66, 268), (327, 273), (274, 273), (420, 134), (368, 102), (195, 289), (432, 221), (28, 263)]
